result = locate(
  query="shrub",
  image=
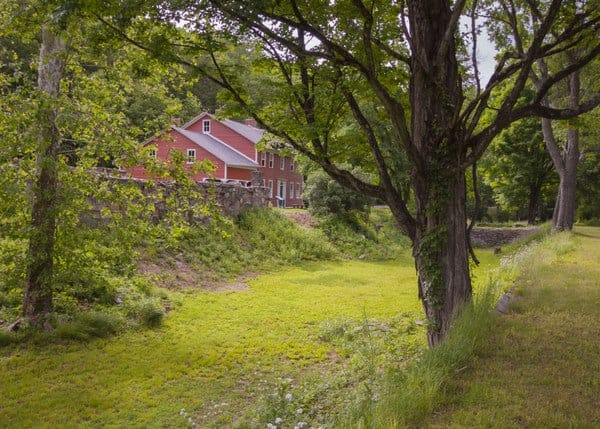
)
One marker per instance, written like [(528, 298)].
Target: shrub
[(86, 325), (325, 196), (151, 315), (6, 338)]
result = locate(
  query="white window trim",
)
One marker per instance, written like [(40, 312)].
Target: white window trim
[(191, 156), (298, 190), (291, 190), (263, 159), (271, 159), (153, 153), (206, 126), (292, 165), (270, 189), (282, 162)]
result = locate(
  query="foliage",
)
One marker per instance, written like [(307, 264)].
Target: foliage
[(325, 196), (375, 237), (519, 171), (588, 189)]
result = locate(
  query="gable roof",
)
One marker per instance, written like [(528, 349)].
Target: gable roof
[(196, 119), (251, 133), (225, 153)]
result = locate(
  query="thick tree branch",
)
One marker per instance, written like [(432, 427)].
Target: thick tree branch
[(448, 38), (394, 198)]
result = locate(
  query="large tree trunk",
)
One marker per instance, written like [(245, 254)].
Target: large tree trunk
[(441, 254), (566, 163), (37, 299), (440, 245)]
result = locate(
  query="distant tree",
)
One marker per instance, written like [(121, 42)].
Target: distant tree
[(562, 90), (588, 178), (325, 196), (519, 169)]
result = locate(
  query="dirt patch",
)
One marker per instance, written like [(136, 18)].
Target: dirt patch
[(179, 275), (302, 218), (487, 237)]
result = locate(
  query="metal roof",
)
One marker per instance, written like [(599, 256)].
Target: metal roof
[(225, 153), (251, 133)]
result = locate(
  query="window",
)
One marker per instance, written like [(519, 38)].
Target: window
[(152, 153), (206, 126), (191, 156), (270, 188), (298, 190), (291, 189), (282, 162), (292, 165), (263, 159), (271, 159)]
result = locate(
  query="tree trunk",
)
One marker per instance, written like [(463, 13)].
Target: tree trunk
[(532, 209), (566, 163), (37, 299), (441, 255), (565, 216), (440, 246)]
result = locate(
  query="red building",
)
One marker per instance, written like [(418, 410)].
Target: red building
[(231, 147)]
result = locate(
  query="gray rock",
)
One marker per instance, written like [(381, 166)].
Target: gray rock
[(502, 306)]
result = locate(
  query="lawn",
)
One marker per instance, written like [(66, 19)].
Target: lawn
[(218, 355), (542, 364)]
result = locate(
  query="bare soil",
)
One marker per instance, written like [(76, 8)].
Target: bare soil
[(179, 275)]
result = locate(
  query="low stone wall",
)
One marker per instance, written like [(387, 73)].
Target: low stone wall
[(234, 198), (230, 198)]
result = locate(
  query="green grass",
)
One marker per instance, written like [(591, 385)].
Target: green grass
[(541, 363), (224, 347), (218, 355)]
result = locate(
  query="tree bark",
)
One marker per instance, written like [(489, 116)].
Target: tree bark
[(37, 298), (441, 255), (566, 164), (534, 202), (440, 246)]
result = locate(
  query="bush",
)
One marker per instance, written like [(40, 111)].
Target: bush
[(151, 315), (6, 338), (87, 325), (375, 237), (325, 196)]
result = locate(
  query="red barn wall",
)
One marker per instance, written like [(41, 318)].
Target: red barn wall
[(286, 175), (226, 135), (175, 141)]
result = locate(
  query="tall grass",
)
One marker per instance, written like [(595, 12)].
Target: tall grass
[(411, 394)]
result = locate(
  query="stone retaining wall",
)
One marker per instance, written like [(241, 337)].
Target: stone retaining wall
[(230, 198)]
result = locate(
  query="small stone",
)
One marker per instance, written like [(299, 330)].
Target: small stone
[(503, 303)]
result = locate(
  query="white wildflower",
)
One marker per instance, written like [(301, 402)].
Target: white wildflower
[(288, 396), (278, 420), (299, 411)]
